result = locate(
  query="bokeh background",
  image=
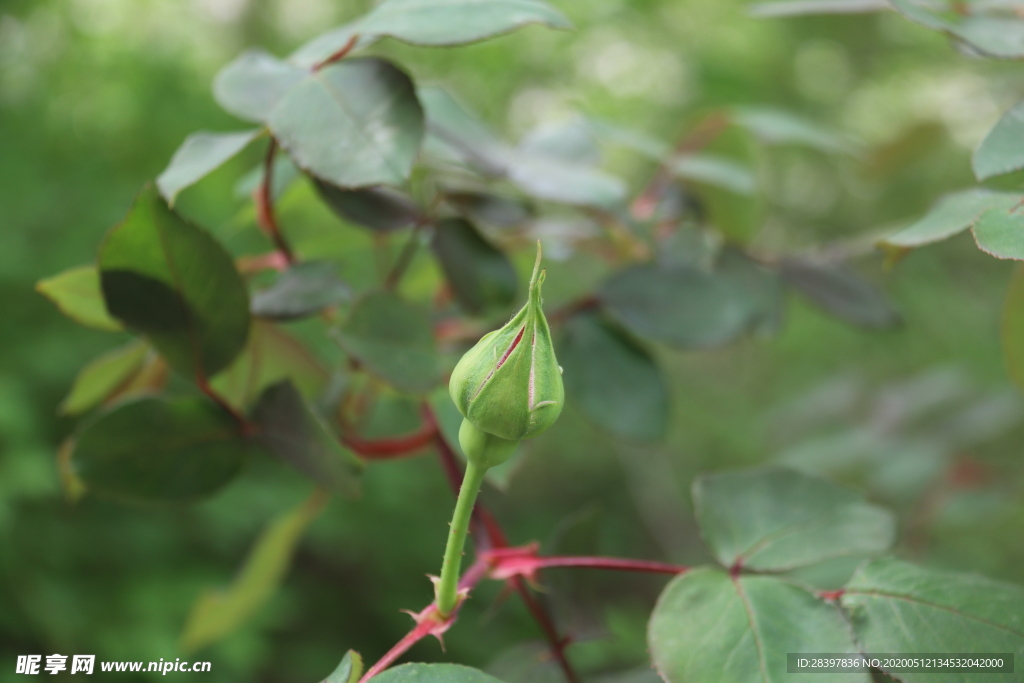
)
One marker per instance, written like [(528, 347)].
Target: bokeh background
[(95, 95)]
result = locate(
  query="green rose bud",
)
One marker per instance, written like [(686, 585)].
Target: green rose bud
[(509, 385)]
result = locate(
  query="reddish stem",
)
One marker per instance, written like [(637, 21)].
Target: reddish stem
[(395, 447), (339, 54), (611, 563), (556, 643), (247, 428), (264, 198)]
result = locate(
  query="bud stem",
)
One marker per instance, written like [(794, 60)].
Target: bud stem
[(447, 587)]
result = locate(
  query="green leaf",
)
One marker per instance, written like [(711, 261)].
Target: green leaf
[(462, 133), (1012, 332), (490, 209), (254, 83), (761, 288), (454, 22), (220, 612), (708, 627), (898, 607), (631, 139), (103, 376), (1002, 150), (998, 33), (76, 292), (613, 379), (1000, 232), (152, 450), (790, 8), (284, 174), (348, 671), (290, 430), (952, 214), (681, 306), (548, 178), (840, 293), (393, 340), (302, 290), (776, 127), (481, 276), (774, 519), (717, 171), (378, 208), (315, 51), (171, 281), (571, 140), (270, 355), (354, 123), (198, 156), (434, 673)]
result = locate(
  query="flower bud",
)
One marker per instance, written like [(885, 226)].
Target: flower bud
[(509, 385)]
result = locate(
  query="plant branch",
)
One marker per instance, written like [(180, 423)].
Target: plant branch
[(540, 614), (394, 447), (699, 137), (245, 426), (264, 198), (394, 276), (448, 594), (339, 54)]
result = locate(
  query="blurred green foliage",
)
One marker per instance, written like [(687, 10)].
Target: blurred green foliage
[(96, 95)]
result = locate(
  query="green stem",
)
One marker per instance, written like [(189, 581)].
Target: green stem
[(448, 586)]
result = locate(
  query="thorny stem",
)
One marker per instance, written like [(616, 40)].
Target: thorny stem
[(397, 447), (447, 586), (265, 205), (556, 642)]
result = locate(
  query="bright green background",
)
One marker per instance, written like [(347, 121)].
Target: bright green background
[(96, 95)]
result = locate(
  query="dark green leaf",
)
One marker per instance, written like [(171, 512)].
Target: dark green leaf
[(952, 214), (709, 627), (377, 208), (998, 33), (354, 123), (254, 83), (103, 376), (1000, 232), (434, 673), (348, 671), (717, 171), (491, 209), (270, 355), (294, 433), (762, 288), (481, 276), (612, 379), (774, 519), (453, 22), (302, 290), (1002, 150), (681, 306), (841, 293), (174, 283), (789, 8), (393, 340), (198, 156), (220, 612), (76, 292), (775, 127), (897, 607), (152, 450)]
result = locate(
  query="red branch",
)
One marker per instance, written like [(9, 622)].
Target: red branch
[(339, 54), (263, 196), (395, 447)]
